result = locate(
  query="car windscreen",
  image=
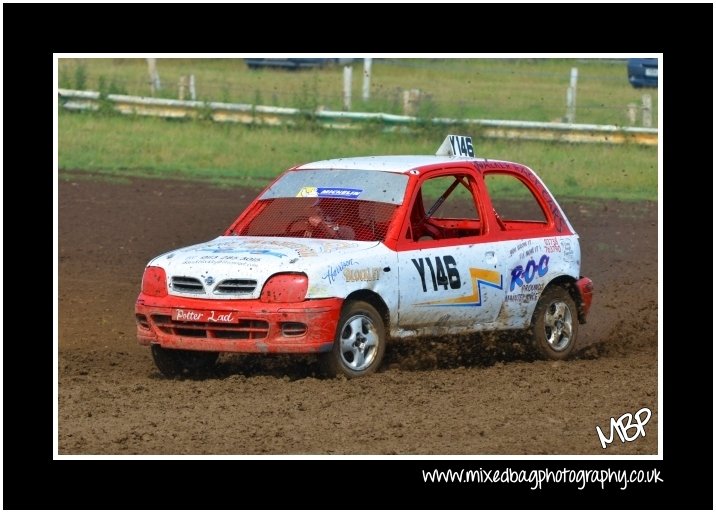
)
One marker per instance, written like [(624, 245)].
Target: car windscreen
[(377, 186), (350, 205)]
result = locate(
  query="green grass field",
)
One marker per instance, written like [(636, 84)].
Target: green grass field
[(521, 89), (227, 154)]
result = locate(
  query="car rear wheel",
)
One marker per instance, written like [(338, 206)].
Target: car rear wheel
[(178, 362), (555, 324), (359, 344)]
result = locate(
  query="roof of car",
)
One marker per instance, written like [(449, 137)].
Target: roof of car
[(392, 163)]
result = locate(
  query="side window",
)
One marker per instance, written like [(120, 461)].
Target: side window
[(513, 201), (445, 208)]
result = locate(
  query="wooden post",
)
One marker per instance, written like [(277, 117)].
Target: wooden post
[(182, 87), (411, 99), (154, 82), (631, 113), (347, 82), (646, 110), (192, 87), (367, 65), (572, 97)]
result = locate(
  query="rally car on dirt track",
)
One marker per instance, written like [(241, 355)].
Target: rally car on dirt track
[(338, 256)]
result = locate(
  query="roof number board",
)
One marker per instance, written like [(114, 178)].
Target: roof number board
[(456, 145)]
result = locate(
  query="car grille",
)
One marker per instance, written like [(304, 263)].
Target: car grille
[(186, 284), (235, 287), (244, 329)]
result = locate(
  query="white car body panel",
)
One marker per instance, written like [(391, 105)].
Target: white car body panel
[(443, 290)]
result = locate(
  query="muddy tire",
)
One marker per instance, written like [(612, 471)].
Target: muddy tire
[(178, 362), (359, 344), (554, 324)]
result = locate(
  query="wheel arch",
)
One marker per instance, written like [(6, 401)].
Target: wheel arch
[(374, 299), (569, 284)]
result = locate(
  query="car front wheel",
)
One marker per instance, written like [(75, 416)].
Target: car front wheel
[(178, 362), (554, 324), (359, 344)]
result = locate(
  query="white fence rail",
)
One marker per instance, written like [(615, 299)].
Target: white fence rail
[(266, 115)]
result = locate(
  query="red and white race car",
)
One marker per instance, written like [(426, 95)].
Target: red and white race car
[(335, 257)]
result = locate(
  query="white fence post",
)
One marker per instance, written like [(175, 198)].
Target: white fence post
[(572, 97), (367, 65), (154, 82), (347, 82), (646, 110)]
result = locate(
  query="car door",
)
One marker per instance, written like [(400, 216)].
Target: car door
[(447, 275), (537, 244)]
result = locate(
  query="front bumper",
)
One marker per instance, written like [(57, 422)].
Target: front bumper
[(253, 327)]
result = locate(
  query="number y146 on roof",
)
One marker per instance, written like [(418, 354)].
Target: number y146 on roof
[(456, 145)]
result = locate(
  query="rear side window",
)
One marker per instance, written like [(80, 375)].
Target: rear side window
[(513, 200)]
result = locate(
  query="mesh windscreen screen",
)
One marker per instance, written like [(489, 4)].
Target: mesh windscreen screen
[(322, 218)]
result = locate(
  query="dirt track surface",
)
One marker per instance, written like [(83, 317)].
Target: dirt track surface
[(439, 397)]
